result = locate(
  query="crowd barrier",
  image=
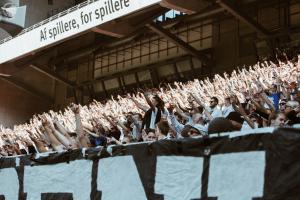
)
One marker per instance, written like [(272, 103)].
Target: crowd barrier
[(254, 166)]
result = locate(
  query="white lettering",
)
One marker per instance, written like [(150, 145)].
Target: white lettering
[(118, 178), (237, 176), (74, 178), (101, 10), (9, 184), (178, 177)]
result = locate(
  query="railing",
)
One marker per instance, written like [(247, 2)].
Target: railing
[(266, 130), (56, 11), (63, 13)]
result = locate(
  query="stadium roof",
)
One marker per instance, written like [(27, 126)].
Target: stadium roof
[(98, 25)]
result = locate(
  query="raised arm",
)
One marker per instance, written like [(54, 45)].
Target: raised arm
[(149, 102), (138, 104), (39, 144), (112, 123), (62, 135), (207, 113), (259, 107), (83, 141), (56, 145), (237, 106), (125, 129), (181, 113), (268, 101)]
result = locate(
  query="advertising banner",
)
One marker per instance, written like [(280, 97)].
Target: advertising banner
[(81, 19)]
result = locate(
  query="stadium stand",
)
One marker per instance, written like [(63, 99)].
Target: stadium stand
[(264, 95), (149, 99)]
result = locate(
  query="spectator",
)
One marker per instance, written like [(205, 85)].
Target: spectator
[(279, 120), (263, 95), (162, 130), (150, 137)]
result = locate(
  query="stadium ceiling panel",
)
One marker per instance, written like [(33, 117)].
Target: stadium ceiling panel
[(71, 45), (185, 6), (115, 27), (101, 46), (53, 75), (239, 14), (27, 88), (114, 22), (124, 26), (176, 40)]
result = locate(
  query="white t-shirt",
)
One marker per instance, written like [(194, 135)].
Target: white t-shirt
[(153, 118), (246, 126), (215, 112), (164, 114), (226, 110), (136, 133)]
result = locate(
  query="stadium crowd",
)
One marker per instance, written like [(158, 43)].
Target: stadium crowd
[(263, 95)]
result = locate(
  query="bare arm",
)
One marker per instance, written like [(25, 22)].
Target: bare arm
[(207, 113), (146, 95), (56, 145), (237, 106), (138, 104), (62, 135), (259, 107), (268, 102), (181, 113), (39, 144), (241, 110), (83, 142), (112, 123)]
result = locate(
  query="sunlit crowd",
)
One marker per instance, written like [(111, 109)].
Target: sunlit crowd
[(263, 95)]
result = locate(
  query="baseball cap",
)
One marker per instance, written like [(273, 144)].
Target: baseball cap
[(292, 104)]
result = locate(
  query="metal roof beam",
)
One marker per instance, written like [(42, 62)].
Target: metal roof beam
[(27, 88), (179, 42), (96, 48), (52, 74), (188, 7), (239, 14), (123, 27)]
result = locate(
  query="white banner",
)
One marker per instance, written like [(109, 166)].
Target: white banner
[(69, 25), (233, 176)]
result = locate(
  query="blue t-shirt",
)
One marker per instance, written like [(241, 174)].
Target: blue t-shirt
[(275, 97), (98, 141)]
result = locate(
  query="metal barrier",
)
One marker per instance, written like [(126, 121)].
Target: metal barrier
[(63, 13)]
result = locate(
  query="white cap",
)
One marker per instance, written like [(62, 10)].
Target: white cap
[(293, 104)]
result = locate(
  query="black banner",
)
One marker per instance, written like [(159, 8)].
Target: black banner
[(251, 167)]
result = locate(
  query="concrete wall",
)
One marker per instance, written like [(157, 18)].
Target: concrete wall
[(17, 106), (40, 10)]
